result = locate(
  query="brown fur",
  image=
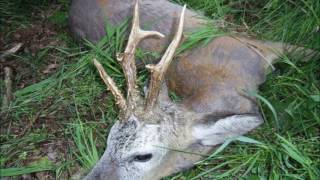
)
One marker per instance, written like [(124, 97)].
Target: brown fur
[(211, 78)]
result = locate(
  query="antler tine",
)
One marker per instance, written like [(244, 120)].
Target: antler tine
[(158, 71), (127, 59), (120, 100)]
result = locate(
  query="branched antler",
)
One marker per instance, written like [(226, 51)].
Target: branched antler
[(127, 59), (158, 71)]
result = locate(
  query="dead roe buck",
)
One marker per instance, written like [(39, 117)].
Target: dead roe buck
[(212, 80)]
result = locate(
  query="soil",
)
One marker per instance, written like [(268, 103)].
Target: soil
[(36, 37)]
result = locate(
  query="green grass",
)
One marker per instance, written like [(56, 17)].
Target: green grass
[(83, 137), (285, 147), (200, 37), (39, 166), (18, 13), (299, 22)]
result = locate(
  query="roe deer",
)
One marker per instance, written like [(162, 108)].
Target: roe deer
[(212, 81)]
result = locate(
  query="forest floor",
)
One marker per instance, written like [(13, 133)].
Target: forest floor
[(56, 125)]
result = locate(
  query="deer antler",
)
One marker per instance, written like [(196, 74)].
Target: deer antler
[(127, 61), (120, 100), (158, 71)]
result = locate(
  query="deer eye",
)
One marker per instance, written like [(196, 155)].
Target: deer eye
[(142, 158)]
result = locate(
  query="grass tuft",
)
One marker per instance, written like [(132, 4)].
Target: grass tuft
[(87, 153), (39, 166)]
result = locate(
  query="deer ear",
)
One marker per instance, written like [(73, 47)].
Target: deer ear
[(214, 132)]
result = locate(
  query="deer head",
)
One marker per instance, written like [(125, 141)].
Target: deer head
[(147, 140)]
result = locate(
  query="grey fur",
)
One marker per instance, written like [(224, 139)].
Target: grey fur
[(171, 127), (171, 131)]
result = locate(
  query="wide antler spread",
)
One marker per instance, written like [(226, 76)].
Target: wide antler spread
[(127, 61)]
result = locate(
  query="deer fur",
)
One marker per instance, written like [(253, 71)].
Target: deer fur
[(213, 81)]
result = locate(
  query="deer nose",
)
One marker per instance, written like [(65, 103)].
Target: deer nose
[(102, 174), (104, 170)]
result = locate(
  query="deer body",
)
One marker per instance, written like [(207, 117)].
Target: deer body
[(212, 80), (225, 61)]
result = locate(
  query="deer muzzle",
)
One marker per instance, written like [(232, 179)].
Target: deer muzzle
[(106, 169)]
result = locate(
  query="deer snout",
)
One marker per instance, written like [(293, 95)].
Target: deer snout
[(104, 170)]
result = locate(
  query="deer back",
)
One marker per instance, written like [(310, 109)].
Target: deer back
[(218, 77), (89, 17), (213, 78)]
